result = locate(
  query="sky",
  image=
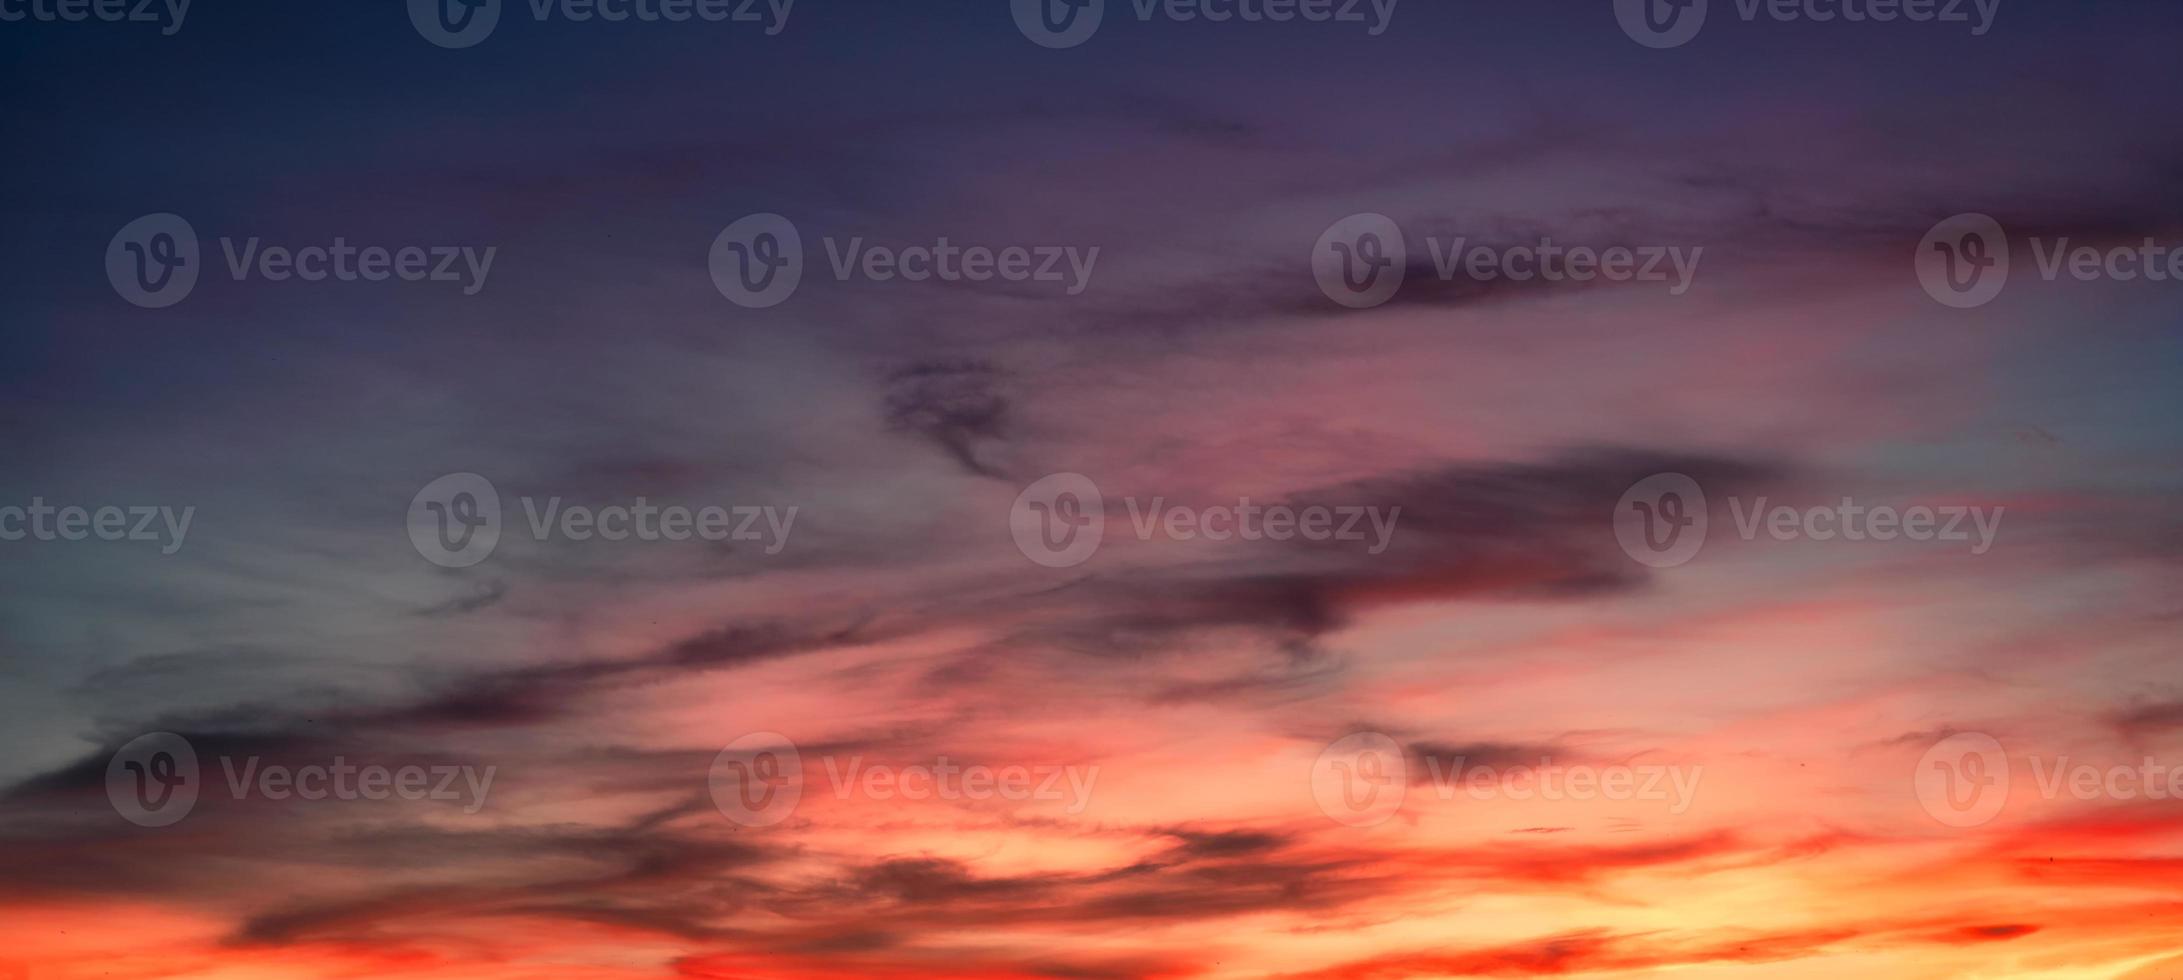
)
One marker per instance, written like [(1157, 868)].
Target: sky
[(859, 489)]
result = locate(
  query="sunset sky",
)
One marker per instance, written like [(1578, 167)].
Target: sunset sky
[(1164, 728)]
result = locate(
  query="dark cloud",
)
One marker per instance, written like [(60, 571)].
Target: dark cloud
[(1462, 531), (1196, 844), (2158, 718), (485, 596), (956, 406)]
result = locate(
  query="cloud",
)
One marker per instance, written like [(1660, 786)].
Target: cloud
[(957, 406)]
